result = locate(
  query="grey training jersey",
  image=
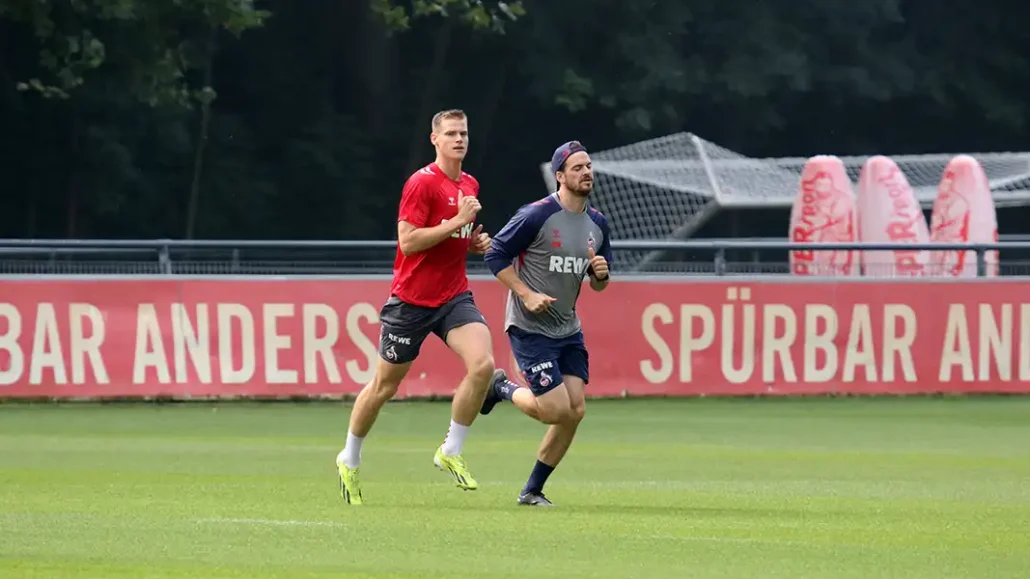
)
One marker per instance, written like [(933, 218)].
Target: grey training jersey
[(549, 248)]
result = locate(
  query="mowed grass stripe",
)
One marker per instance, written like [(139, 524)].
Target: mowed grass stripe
[(652, 488)]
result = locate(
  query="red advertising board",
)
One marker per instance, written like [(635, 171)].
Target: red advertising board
[(270, 338)]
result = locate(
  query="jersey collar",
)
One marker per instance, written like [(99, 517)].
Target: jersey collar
[(557, 199)]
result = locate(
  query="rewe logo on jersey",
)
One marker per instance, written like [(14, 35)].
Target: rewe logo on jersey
[(559, 264), (466, 230), (464, 233)]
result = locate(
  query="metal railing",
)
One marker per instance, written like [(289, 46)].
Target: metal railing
[(286, 257)]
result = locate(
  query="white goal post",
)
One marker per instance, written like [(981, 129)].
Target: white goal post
[(667, 188)]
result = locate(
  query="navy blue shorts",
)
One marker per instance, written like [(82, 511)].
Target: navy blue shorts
[(544, 360)]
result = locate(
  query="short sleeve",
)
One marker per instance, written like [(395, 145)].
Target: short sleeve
[(414, 206)]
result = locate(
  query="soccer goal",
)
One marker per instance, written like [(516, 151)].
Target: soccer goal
[(669, 187)]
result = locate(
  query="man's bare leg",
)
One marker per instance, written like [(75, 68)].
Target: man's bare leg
[(471, 342), (549, 408), (370, 400), (367, 405), (558, 438)]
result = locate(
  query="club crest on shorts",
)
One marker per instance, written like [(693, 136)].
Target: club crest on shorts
[(545, 380), (391, 353)]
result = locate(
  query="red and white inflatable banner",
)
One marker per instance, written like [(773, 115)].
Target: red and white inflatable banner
[(888, 212), (963, 212), (274, 338), (824, 212)]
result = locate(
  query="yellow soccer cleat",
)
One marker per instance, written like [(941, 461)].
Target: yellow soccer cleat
[(455, 465), (350, 487)]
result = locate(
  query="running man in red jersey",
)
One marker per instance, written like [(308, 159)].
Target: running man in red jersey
[(430, 295)]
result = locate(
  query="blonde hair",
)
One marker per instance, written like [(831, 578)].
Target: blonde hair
[(439, 117)]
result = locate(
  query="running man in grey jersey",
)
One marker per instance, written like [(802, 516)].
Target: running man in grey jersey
[(542, 256)]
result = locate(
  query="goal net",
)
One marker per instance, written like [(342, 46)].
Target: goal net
[(669, 187)]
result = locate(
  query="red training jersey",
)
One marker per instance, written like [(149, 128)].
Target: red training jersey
[(433, 277)]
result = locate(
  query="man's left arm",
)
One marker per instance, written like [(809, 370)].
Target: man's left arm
[(480, 242), (600, 272)]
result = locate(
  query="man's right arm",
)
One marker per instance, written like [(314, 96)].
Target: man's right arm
[(413, 235), (510, 242), (415, 239)]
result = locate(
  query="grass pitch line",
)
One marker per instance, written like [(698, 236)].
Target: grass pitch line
[(271, 522), (739, 540)]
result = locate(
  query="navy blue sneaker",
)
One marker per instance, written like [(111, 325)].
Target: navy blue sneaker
[(532, 499), (493, 396)]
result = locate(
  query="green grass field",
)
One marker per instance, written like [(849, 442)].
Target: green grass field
[(901, 488)]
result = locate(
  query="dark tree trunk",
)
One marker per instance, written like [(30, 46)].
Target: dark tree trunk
[(198, 155)]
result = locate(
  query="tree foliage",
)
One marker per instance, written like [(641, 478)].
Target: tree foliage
[(154, 44), (493, 16), (323, 107)]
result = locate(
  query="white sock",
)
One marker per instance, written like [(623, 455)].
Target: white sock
[(351, 453), (455, 439)]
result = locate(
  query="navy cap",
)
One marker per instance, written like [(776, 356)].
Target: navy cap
[(562, 153)]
